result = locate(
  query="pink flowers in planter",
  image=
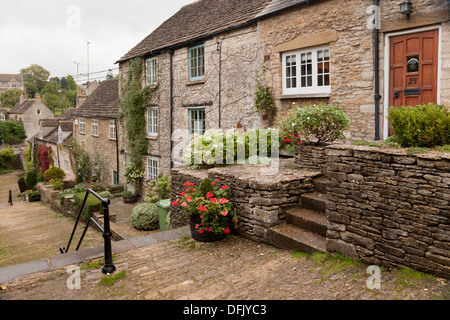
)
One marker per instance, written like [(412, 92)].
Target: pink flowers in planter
[(210, 202)]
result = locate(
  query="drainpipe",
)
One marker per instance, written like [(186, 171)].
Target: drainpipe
[(376, 40), (219, 48), (117, 151), (171, 52)]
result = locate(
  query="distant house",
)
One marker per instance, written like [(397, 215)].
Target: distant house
[(30, 112), (57, 134), (12, 81), (97, 131)]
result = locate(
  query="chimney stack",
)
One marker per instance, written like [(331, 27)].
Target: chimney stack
[(37, 97), (22, 98)]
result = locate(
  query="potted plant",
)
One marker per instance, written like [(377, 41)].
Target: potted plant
[(32, 195), (209, 208), (129, 197), (133, 175)]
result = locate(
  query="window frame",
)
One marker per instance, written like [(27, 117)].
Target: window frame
[(192, 129), (152, 122), (314, 88), (82, 124), (95, 132), (152, 171), (151, 71), (112, 130), (199, 63)]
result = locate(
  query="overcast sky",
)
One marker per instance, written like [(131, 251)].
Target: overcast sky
[(54, 33)]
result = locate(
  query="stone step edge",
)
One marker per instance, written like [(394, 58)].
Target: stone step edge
[(289, 237), (308, 220)]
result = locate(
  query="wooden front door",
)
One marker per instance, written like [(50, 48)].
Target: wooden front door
[(414, 69)]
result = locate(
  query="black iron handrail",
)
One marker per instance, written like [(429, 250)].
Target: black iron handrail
[(109, 266)]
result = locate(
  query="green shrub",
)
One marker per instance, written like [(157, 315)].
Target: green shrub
[(205, 187), (314, 124), (12, 132), (158, 189), (7, 156), (31, 179), (22, 185), (57, 184), (92, 204), (71, 192), (54, 173), (145, 216), (425, 125)]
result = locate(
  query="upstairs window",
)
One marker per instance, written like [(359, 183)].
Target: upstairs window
[(307, 71), (151, 72), (112, 130), (94, 127), (82, 126), (197, 63)]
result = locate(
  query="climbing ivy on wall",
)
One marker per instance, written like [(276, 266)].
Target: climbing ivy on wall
[(134, 101), (263, 101)]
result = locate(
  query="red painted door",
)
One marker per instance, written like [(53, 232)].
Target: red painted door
[(414, 69)]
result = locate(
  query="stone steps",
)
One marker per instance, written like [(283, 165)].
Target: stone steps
[(308, 220), (306, 225), (290, 237)]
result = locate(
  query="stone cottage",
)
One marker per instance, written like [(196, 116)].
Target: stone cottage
[(96, 130), (57, 134), (30, 112), (365, 55)]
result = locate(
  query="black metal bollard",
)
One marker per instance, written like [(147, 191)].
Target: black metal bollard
[(109, 266), (10, 198)]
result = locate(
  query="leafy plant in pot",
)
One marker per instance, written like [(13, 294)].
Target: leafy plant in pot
[(133, 175), (209, 208)]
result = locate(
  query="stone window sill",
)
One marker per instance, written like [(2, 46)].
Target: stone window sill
[(197, 82), (303, 95)]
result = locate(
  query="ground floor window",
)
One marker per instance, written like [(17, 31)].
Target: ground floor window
[(152, 168), (307, 71), (197, 121)]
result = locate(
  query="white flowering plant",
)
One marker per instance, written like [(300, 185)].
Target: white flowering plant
[(314, 124), (219, 147), (133, 175)]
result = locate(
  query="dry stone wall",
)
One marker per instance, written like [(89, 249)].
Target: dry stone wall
[(386, 207)]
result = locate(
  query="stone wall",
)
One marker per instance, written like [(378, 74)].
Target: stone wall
[(103, 147), (388, 208), (260, 200), (311, 157)]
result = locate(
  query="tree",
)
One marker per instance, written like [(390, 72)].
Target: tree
[(35, 78), (71, 84), (12, 132), (11, 97)]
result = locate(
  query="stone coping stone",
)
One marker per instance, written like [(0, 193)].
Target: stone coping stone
[(430, 155), (258, 175), (10, 273)]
